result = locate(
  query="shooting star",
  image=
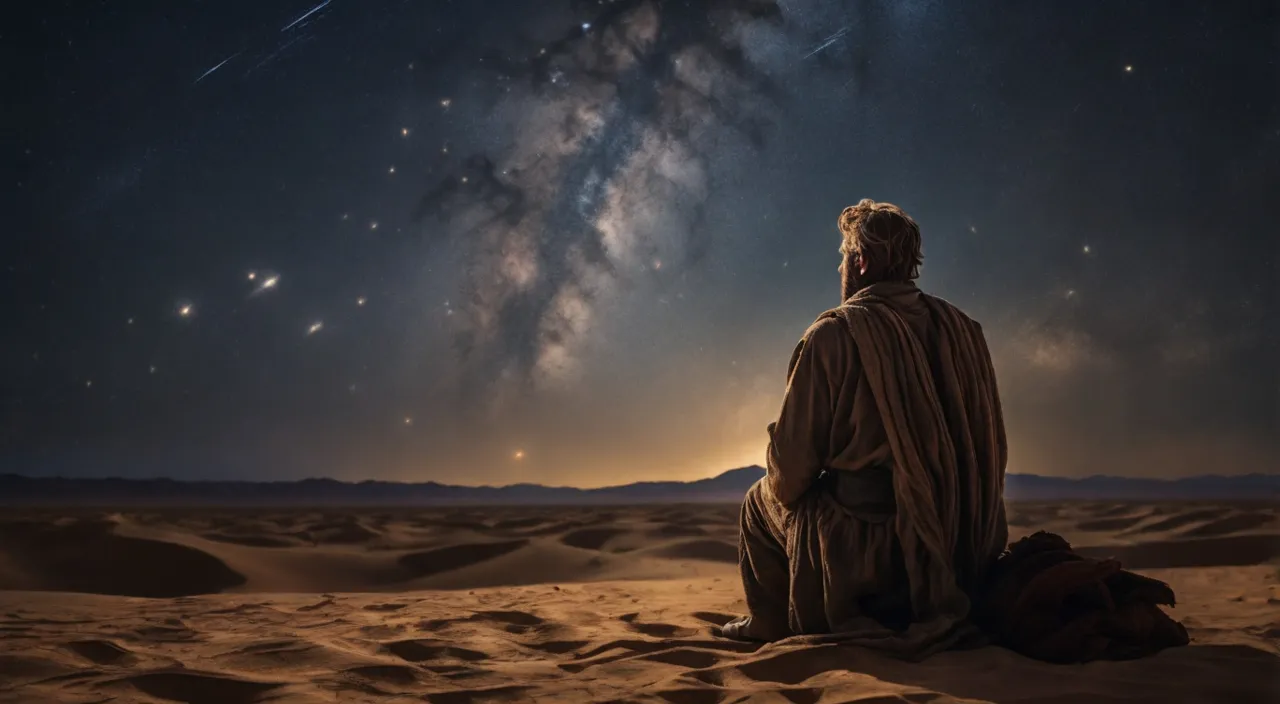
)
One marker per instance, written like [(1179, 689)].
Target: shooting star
[(828, 42), (309, 13), (215, 68)]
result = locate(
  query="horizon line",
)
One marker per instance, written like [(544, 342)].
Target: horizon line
[(3, 475)]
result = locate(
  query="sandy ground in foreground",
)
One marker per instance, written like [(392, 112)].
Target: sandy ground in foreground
[(541, 604)]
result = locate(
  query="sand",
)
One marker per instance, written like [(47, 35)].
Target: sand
[(565, 605)]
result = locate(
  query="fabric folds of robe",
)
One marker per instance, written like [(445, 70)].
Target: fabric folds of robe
[(940, 410)]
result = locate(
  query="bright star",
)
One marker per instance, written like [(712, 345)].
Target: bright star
[(253, 275), (391, 170), (404, 131), (446, 102), (315, 327), (129, 321), (373, 225), (152, 369), (1128, 68), (586, 26), (1087, 249), (408, 420), (519, 454), (271, 281), (360, 301), (186, 310)]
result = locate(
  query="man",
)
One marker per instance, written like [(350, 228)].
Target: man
[(882, 509)]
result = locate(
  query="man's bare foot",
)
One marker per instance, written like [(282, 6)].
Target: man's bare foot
[(739, 629)]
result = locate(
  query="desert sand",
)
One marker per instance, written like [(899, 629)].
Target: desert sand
[(607, 604)]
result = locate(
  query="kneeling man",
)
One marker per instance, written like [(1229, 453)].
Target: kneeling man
[(883, 505)]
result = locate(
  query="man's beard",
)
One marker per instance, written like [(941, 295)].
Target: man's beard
[(851, 281)]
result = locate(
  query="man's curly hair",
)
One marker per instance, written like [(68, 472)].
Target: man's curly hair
[(887, 239)]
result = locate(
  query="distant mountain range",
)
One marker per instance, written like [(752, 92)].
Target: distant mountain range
[(727, 487)]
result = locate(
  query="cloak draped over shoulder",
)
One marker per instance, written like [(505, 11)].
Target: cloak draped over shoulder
[(892, 401)]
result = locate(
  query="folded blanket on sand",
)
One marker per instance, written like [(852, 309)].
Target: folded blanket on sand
[(1045, 601)]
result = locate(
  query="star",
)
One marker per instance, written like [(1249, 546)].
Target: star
[(129, 321), (346, 216), (360, 301), (373, 225), (315, 327), (446, 102), (391, 170), (151, 369), (88, 384), (1071, 293), (518, 455), (586, 26), (270, 282), (1128, 68), (186, 310), (253, 275), (408, 420), (1087, 249), (444, 149), (657, 264), (973, 229), (404, 131)]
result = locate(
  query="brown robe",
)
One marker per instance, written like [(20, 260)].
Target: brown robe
[(891, 398)]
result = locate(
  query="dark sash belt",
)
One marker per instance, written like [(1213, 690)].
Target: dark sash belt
[(866, 493)]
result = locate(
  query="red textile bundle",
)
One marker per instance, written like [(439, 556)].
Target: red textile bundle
[(1046, 602)]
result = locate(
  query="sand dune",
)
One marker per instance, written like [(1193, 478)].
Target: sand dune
[(579, 604)]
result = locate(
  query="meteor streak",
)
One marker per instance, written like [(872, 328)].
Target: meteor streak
[(215, 68), (309, 13)]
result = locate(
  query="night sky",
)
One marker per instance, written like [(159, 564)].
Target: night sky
[(576, 242)]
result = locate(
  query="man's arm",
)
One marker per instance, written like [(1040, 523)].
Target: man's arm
[(799, 440)]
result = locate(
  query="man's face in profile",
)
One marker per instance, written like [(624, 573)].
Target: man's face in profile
[(852, 278)]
